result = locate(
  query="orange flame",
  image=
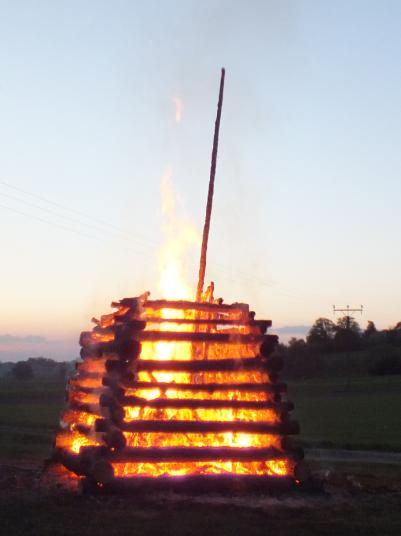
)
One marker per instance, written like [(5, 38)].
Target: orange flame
[(180, 237)]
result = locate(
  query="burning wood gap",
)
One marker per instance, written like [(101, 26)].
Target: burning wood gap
[(188, 336)]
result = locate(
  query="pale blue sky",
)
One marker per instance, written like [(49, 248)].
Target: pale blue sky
[(307, 195)]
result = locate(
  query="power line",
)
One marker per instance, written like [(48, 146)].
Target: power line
[(348, 310), (63, 216), (142, 242), (145, 240), (65, 228)]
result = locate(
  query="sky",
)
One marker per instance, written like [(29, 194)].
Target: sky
[(306, 208)]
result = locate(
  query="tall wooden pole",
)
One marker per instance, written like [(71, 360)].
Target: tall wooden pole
[(206, 227)]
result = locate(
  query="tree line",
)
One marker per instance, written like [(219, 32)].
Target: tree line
[(36, 367), (378, 351)]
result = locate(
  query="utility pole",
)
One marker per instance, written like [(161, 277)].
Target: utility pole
[(205, 237), (347, 310)]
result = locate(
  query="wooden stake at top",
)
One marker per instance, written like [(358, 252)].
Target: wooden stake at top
[(206, 227)]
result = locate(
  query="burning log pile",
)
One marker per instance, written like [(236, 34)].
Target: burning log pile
[(178, 394)]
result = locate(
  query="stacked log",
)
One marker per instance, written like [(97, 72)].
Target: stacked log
[(226, 342)]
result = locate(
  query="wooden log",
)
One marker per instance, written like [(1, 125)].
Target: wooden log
[(204, 387), (121, 329), (268, 345), (108, 400), (286, 428), (182, 454), (241, 308), (125, 380), (191, 336), (85, 375), (110, 436), (117, 366), (252, 363), (274, 363), (290, 444), (102, 471), (133, 303), (199, 403), (273, 377), (71, 461), (102, 425), (76, 388), (116, 391), (302, 472), (124, 348), (94, 350), (92, 453), (86, 408), (115, 439)]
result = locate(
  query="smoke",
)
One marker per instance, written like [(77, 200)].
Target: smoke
[(179, 109)]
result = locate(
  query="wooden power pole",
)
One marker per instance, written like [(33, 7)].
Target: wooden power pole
[(206, 227)]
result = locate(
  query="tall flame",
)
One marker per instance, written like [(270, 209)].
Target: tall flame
[(180, 236)]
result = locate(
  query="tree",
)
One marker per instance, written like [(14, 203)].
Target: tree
[(62, 371), (348, 334), (370, 329), (22, 370), (349, 323), (321, 333), (393, 335)]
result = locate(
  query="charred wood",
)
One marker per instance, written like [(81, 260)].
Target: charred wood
[(199, 403), (286, 428), (269, 344), (242, 308), (181, 454), (205, 387)]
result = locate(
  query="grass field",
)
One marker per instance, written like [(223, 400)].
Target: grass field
[(29, 413), (361, 415), (363, 498)]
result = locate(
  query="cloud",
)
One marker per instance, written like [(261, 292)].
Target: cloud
[(293, 330), (16, 339)]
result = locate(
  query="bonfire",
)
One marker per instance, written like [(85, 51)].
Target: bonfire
[(179, 393)]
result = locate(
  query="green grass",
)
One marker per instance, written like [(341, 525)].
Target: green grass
[(29, 414), (362, 413)]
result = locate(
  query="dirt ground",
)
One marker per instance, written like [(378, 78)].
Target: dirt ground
[(33, 502)]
